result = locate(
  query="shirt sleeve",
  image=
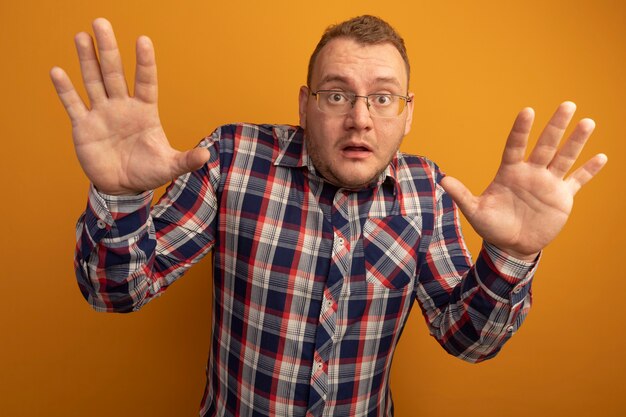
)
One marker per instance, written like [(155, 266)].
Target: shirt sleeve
[(471, 309), (128, 252)]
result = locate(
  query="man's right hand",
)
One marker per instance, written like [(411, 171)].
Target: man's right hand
[(119, 141)]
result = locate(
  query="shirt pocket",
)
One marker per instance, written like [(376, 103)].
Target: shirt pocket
[(390, 250)]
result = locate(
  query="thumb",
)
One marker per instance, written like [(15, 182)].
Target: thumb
[(461, 195), (192, 160)]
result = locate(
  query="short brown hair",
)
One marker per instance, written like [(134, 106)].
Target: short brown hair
[(366, 29)]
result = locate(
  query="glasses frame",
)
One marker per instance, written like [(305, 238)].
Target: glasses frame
[(352, 98)]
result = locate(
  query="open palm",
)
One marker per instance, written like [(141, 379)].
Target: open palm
[(529, 201), (119, 141)]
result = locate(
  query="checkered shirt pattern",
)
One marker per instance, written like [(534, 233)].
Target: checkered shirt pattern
[(312, 283)]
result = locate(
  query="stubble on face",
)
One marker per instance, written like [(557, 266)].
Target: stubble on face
[(350, 174)]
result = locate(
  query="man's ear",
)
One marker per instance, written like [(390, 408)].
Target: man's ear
[(303, 101), (409, 116)]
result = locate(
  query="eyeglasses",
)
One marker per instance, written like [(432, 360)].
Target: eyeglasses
[(379, 105)]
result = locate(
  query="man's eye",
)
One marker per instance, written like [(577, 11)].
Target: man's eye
[(382, 100), (336, 98)]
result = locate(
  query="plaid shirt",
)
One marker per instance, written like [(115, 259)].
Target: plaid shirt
[(312, 283)]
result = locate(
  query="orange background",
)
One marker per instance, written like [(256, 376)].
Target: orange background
[(475, 64)]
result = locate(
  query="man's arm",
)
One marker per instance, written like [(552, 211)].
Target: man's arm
[(470, 309), (128, 252), (473, 310)]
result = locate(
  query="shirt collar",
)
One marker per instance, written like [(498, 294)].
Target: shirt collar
[(292, 150)]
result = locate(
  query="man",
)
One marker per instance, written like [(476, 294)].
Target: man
[(323, 235)]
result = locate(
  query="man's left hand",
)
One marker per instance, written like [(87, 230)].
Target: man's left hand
[(528, 202)]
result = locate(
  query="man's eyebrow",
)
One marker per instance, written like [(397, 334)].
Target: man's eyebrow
[(388, 80), (334, 77), (345, 80)]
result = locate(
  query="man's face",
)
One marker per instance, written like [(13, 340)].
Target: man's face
[(351, 150)]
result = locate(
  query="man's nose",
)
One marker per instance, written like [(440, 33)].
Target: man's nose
[(359, 114)]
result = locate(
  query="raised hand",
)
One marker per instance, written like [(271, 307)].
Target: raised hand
[(119, 141), (529, 201)]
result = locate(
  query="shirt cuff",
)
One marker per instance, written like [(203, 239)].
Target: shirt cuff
[(510, 267), (504, 276), (116, 215)]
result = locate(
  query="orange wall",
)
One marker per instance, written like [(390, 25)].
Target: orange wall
[(475, 64)]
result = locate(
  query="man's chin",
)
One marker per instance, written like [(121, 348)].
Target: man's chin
[(352, 182)]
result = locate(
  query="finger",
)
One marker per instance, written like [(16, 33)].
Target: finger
[(189, 161), (515, 147), (74, 105), (461, 195), (586, 172), (90, 68), (110, 59), (549, 139), (146, 73), (566, 157)]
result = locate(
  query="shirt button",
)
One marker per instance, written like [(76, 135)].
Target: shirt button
[(340, 241), (509, 329), (320, 365), (517, 289), (101, 224)]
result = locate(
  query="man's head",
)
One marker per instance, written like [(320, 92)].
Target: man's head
[(363, 56)]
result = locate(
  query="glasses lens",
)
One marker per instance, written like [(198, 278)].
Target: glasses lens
[(333, 102), (385, 105)]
